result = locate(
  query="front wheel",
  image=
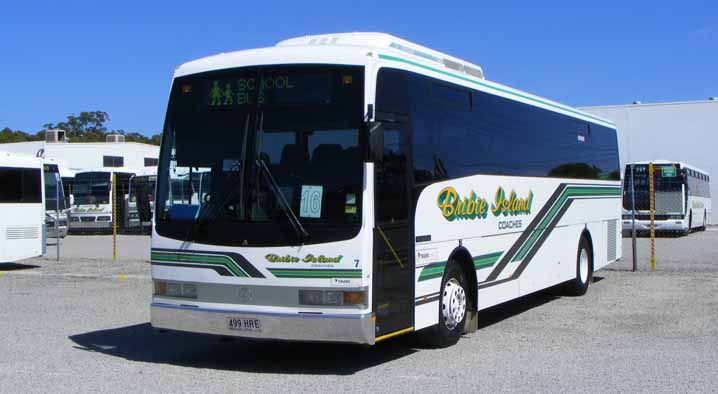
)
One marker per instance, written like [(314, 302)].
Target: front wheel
[(453, 308), (584, 270)]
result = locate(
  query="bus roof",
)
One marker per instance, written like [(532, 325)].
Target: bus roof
[(358, 48), (8, 159)]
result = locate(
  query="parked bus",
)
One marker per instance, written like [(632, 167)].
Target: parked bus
[(682, 198), (92, 199), (22, 214), (364, 187), (56, 226), (142, 185)]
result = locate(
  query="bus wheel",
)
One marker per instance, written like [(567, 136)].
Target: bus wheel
[(453, 307), (584, 270), (690, 222), (705, 222)]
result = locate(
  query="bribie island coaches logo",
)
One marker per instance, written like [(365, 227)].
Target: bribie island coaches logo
[(454, 207), (310, 258)]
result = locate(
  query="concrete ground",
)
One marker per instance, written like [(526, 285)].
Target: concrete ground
[(81, 325)]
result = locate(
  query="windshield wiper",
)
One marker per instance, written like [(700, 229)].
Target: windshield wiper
[(291, 216)]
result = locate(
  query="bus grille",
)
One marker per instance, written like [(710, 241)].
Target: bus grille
[(612, 239), (22, 233)]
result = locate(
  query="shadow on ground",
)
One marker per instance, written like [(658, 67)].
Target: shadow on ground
[(143, 343), (16, 266)]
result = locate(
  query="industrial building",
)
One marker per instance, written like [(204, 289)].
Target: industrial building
[(679, 131), (114, 154)]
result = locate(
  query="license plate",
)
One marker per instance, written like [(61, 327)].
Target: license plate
[(244, 324)]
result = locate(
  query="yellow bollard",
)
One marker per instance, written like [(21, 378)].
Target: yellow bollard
[(114, 216), (652, 215)]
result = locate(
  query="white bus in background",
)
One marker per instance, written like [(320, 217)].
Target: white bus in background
[(56, 226), (363, 187), (22, 214), (682, 197), (92, 199), (141, 184)]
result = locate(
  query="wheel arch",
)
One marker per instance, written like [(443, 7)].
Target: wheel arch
[(587, 235), (465, 261)]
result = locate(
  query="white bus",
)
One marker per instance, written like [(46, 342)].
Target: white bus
[(56, 226), (364, 187), (92, 199), (682, 199), (22, 214)]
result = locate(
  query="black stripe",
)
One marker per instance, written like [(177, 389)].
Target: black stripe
[(541, 239), (219, 269), (239, 259), (506, 259), (426, 299), (486, 284)]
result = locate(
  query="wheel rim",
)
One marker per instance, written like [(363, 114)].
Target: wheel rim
[(453, 303), (583, 265)]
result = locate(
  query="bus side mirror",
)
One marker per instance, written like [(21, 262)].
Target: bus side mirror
[(376, 141)]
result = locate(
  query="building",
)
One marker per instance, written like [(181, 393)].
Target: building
[(679, 131), (114, 154)]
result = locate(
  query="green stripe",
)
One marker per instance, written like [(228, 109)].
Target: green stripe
[(561, 107), (318, 273), (571, 191), (436, 270), (224, 261)]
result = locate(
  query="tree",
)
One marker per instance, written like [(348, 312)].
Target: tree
[(9, 135), (86, 127)]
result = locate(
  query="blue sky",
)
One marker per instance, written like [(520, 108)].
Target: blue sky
[(63, 57)]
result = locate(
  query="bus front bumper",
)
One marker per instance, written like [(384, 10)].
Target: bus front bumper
[(280, 326), (660, 225)]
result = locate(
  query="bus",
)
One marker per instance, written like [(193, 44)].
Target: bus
[(682, 198), (363, 187), (56, 226), (22, 214), (92, 199), (143, 185)]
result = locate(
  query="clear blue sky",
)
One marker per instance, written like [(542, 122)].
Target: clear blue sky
[(63, 57)]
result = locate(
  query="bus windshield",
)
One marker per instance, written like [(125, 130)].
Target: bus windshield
[(52, 181), (303, 122), (92, 188), (145, 184), (666, 184)]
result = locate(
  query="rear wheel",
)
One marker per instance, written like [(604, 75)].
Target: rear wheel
[(705, 222), (690, 222), (453, 308), (584, 270)]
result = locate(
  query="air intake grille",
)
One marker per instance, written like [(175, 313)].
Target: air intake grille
[(612, 239), (22, 233)]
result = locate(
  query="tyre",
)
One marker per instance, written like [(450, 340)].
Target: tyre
[(705, 222), (584, 270), (454, 305), (690, 223)]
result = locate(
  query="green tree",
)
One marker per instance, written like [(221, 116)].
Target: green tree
[(9, 135), (89, 126)]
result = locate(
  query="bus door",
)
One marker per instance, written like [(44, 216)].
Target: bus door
[(393, 282)]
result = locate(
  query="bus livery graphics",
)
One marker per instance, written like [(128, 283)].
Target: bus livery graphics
[(355, 187)]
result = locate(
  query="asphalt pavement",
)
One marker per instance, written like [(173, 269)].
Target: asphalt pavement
[(81, 325)]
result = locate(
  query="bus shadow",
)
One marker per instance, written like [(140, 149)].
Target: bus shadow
[(16, 266), (144, 344)]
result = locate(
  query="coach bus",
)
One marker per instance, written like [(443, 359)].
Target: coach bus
[(363, 187), (22, 214), (682, 199), (92, 199)]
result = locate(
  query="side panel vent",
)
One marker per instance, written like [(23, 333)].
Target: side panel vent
[(611, 239), (22, 233)]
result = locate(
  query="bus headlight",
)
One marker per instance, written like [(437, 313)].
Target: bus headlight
[(331, 297), (174, 289)]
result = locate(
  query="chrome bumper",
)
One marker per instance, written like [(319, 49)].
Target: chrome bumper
[(281, 326), (662, 225)]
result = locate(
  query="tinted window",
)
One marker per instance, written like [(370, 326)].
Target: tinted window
[(488, 134), (20, 185), (113, 161), (151, 162)]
